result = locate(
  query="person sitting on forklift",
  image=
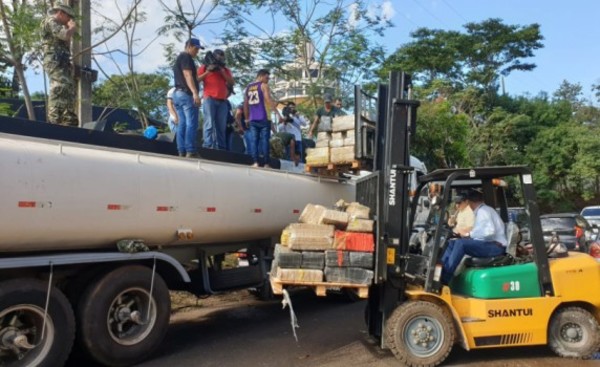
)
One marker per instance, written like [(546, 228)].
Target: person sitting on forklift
[(486, 239), (463, 217)]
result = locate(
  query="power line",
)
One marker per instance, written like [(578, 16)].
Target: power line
[(430, 13), (455, 11)]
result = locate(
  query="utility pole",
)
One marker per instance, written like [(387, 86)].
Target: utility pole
[(83, 61)]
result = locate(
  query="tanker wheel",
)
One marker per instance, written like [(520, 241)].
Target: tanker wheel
[(420, 333), (120, 323), (574, 333), (22, 310)]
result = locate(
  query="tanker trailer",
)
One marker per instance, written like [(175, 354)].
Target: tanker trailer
[(70, 195)]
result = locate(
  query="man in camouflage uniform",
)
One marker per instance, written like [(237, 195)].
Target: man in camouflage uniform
[(57, 30)]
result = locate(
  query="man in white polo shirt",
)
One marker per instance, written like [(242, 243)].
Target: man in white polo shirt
[(487, 238)]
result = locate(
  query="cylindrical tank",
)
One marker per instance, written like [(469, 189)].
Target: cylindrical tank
[(58, 195)]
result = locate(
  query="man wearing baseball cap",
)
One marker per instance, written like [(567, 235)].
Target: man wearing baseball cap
[(186, 99), (57, 31)]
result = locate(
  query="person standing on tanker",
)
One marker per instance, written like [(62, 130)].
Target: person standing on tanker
[(324, 116), (486, 239), (217, 81), (57, 31), (173, 119), (258, 105), (187, 99)]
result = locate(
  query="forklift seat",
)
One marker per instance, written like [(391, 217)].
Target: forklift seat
[(512, 234)]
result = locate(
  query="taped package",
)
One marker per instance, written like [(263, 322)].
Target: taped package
[(343, 123), (337, 258), (361, 259), (358, 211), (299, 275), (336, 143), (322, 135), (354, 241), (313, 260), (360, 225), (350, 142), (312, 214), (289, 259), (335, 217), (322, 143), (312, 237), (342, 155), (348, 275), (315, 156)]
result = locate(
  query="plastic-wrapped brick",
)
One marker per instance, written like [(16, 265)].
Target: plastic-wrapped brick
[(312, 214), (361, 259), (335, 217), (312, 237), (337, 258), (343, 123), (348, 275), (354, 241), (290, 260), (313, 260), (300, 275), (358, 211), (360, 225)]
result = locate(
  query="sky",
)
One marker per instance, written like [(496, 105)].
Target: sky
[(571, 34)]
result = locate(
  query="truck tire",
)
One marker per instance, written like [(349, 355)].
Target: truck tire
[(574, 333), (22, 304), (420, 333), (118, 326)]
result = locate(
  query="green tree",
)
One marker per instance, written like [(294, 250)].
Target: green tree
[(149, 97), (478, 57)]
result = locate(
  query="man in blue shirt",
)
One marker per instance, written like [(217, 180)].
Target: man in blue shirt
[(486, 239)]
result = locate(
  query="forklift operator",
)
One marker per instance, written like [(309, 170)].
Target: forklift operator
[(486, 239)]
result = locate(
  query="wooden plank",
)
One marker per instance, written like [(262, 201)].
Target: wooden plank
[(320, 288)]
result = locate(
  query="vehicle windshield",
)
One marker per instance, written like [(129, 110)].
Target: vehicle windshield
[(557, 224), (591, 212)]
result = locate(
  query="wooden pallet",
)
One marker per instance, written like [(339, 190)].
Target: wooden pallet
[(362, 290), (334, 169)]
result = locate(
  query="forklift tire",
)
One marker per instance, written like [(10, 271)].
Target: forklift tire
[(420, 333), (574, 333), (119, 322)]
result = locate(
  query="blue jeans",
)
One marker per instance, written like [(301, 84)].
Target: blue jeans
[(258, 141), (466, 246), (215, 123), (187, 129)]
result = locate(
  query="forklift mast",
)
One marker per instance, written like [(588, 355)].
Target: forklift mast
[(383, 138)]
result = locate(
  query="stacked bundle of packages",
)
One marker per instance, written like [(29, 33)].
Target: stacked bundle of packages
[(329, 245), (342, 140), (319, 155), (336, 146)]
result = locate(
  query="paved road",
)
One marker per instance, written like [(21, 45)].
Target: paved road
[(332, 334)]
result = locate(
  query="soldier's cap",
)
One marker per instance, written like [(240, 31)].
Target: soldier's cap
[(459, 199), (327, 98), (64, 8), (194, 42)]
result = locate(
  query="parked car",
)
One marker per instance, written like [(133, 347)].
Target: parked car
[(592, 214), (572, 229)]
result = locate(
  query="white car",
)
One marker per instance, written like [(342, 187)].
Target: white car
[(592, 214)]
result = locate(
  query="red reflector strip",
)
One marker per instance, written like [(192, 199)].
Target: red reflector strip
[(257, 210), (116, 207), (296, 211), (27, 204), (210, 209)]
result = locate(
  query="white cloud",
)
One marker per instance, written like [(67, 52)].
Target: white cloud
[(387, 10), (353, 16)]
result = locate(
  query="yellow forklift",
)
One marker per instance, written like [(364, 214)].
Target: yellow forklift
[(550, 297)]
